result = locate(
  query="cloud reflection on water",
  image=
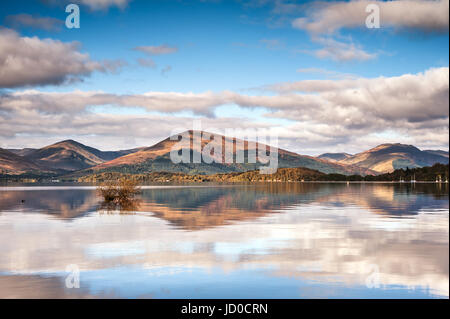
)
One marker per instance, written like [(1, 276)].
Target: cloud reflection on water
[(321, 235)]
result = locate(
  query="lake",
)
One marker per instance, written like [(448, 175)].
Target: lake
[(275, 240)]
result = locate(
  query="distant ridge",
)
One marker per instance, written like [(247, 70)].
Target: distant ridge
[(14, 164), (157, 158), (334, 157), (438, 152), (21, 151), (72, 157), (386, 158), (68, 155)]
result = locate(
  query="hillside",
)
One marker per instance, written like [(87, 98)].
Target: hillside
[(21, 151), (296, 174), (386, 158), (70, 155), (157, 158), (13, 164), (334, 157), (437, 152), (67, 155)]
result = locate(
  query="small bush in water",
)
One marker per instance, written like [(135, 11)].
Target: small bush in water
[(121, 192)]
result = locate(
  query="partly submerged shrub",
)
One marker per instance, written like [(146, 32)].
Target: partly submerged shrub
[(119, 193)]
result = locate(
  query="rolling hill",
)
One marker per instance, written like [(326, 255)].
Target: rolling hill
[(157, 158), (70, 155), (386, 158), (13, 164), (334, 157)]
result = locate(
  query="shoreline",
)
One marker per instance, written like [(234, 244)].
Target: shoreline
[(93, 186)]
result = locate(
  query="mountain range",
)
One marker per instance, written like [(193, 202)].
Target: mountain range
[(386, 158), (75, 159)]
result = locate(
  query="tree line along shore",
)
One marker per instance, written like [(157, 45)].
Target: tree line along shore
[(437, 172)]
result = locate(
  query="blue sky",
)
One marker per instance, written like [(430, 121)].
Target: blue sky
[(237, 46)]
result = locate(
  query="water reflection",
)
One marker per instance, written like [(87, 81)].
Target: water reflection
[(288, 240), (128, 206), (66, 203)]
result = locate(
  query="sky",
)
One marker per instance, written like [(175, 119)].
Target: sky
[(135, 72)]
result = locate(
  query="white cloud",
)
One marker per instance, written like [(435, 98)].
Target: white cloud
[(423, 15), (326, 73), (147, 62), (410, 97), (32, 61), (327, 18), (333, 115), (341, 51), (271, 43), (104, 4), (157, 50), (34, 21), (151, 50), (79, 101), (93, 5)]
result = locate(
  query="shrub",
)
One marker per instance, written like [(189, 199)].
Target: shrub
[(121, 193)]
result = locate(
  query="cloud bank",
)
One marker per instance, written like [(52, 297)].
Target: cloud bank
[(423, 15), (348, 113), (323, 21), (26, 61)]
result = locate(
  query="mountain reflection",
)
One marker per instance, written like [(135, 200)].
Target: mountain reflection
[(201, 207), (263, 241), (65, 203)]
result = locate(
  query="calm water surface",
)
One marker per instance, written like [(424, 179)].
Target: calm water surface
[(295, 240)]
